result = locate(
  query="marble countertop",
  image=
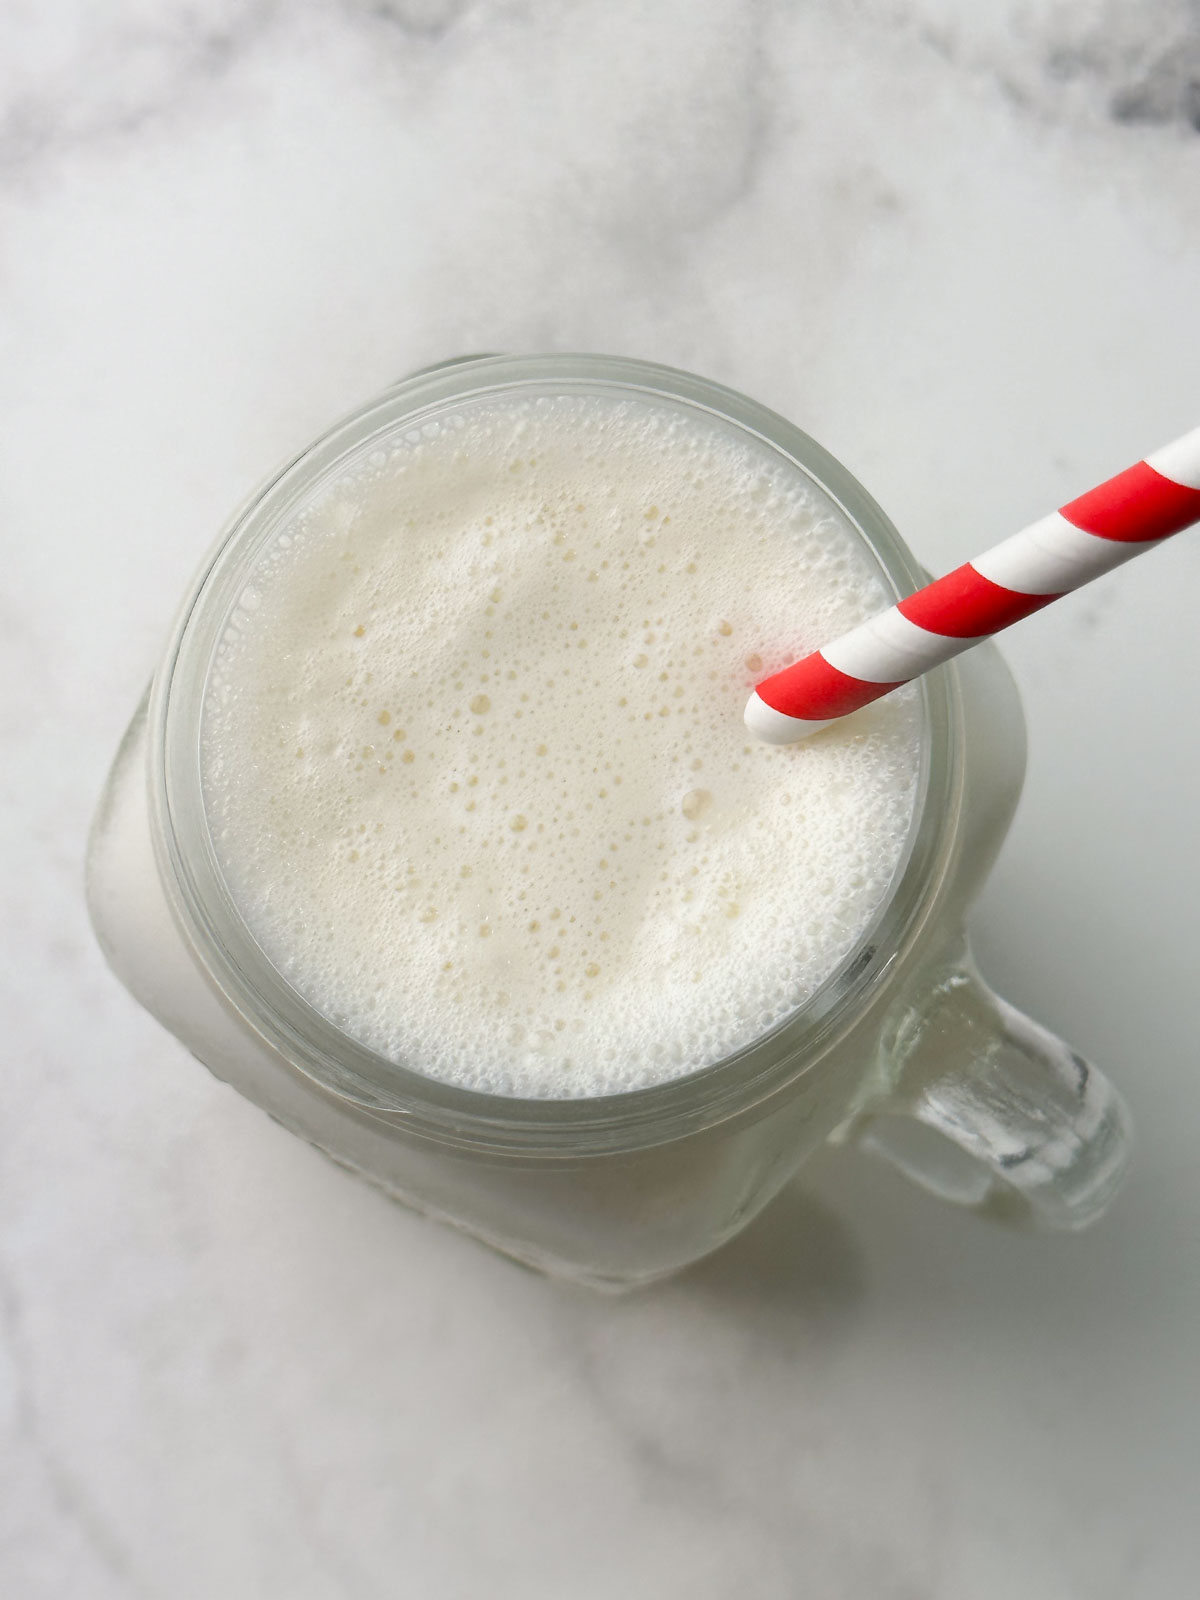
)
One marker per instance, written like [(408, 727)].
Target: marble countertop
[(960, 245)]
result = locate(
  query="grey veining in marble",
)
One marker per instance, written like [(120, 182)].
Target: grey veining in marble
[(958, 243)]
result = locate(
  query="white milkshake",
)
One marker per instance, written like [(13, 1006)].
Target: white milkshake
[(473, 753), (450, 724)]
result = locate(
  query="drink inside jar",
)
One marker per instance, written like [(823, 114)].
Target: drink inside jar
[(473, 754)]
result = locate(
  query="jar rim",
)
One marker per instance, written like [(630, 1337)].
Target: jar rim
[(313, 1045)]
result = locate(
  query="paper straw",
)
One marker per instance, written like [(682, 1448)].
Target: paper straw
[(1128, 514)]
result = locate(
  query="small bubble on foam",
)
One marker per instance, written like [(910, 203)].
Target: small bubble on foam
[(695, 803)]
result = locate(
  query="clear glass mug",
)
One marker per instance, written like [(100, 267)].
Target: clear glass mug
[(903, 1048)]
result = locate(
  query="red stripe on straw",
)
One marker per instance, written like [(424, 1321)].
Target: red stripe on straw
[(1137, 505), (966, 605), (815, 690)]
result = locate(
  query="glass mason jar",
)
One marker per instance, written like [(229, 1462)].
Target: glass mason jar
[(902, 1048)]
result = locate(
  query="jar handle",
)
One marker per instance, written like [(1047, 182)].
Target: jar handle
[(991, 1110)]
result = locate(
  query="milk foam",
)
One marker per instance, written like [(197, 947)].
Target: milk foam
[(473, 753)]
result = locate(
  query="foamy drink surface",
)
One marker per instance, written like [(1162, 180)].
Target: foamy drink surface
[(473, 754)]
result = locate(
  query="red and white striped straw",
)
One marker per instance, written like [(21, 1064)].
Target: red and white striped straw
[(1132, 512)]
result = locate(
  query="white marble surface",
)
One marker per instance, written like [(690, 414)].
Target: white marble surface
[(961, 245)]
